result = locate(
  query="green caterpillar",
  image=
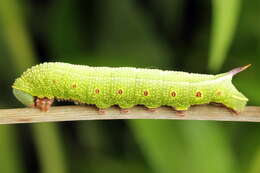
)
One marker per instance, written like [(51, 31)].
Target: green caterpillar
[(125, 87)]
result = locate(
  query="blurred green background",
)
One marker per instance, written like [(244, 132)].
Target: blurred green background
[(196, 36)]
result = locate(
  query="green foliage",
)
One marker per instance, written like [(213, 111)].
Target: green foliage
[(22, 55), (50, 148), (158, 141), (15, 35), (208, 140), (224, 23), (11, 157)]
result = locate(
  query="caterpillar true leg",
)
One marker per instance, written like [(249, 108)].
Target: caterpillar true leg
[(43, 104)]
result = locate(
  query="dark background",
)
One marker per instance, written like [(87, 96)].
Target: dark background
[(196, 36)]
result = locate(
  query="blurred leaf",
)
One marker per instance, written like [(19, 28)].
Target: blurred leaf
[(50, 148), (22, 54), (224, 22), (169, 11), (64, 31), (16, 34), (248, 145), (255, 167), (10, 158), (161, 145), (209, 148), (127, 37), (113, 165)]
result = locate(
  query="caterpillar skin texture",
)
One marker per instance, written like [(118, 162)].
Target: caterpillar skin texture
[(126, 87)]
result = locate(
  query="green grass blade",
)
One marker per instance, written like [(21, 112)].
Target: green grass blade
[(22, 55), (10, 158), (255, 167), (209, 148), (15, 34), (224, 22), (161, 145), (50, 148)]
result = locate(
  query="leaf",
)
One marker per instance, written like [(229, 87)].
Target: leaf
[(209, 147), (10, 158), (49, 147), (224, 22), (161, 145), (15, 34), (22, 54)]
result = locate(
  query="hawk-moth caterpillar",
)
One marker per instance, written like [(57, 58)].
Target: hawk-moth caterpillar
[(125, 87)]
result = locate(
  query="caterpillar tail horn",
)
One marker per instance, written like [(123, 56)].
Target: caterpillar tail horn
[(237, 101), (238, 70)]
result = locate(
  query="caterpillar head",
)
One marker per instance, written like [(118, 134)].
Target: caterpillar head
[(21, 90), (24, 97)]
